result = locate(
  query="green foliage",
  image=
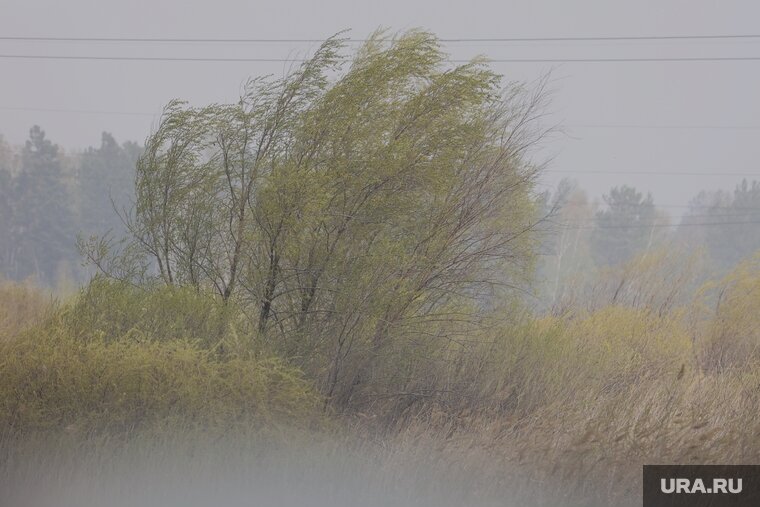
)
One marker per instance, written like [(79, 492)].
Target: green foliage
[(346, 212), (599, 389), (108, 310), (53, 381), (358, 230)]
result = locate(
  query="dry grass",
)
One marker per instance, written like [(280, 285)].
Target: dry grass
[(592, 445), (581, 402), (21, 305), (563, 410)]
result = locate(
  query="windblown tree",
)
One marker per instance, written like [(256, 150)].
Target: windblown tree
[(363, 211)]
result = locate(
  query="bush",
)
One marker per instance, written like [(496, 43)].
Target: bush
[(52, 381), (118, 358), (109, 310)]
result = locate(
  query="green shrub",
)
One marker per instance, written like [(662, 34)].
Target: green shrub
[(53, 381), (109, 310)]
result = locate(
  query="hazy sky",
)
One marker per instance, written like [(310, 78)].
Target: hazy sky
[(613, 113)]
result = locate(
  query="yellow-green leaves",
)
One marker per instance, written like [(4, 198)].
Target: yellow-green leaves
[(345, 200)]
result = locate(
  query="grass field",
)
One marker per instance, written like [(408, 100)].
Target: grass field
[(127, 406)]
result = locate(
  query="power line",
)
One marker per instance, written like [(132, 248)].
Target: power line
[(76, 111), (681, 206), (599, 125), (457, 39), (686, 206), (299, 60), (629, 213), (651, 173), (665, 127), (151, 58), (657, 226), (552, 171), (620, 126)]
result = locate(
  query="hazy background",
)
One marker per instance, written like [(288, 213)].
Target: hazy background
[(675, 117), (630, 342)]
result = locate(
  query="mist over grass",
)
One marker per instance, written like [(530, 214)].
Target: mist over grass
[(185, 471)]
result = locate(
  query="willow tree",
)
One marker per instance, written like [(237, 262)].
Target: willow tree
[(360, 208)]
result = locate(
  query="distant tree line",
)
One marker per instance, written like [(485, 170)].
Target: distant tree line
[(48, 197), (586, 237)]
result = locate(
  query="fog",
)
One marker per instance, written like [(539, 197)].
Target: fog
[(242, 474)]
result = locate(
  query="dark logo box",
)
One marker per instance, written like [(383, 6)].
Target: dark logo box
[(701, 485)]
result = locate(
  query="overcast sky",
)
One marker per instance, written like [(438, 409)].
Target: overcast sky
[(626, 116)]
